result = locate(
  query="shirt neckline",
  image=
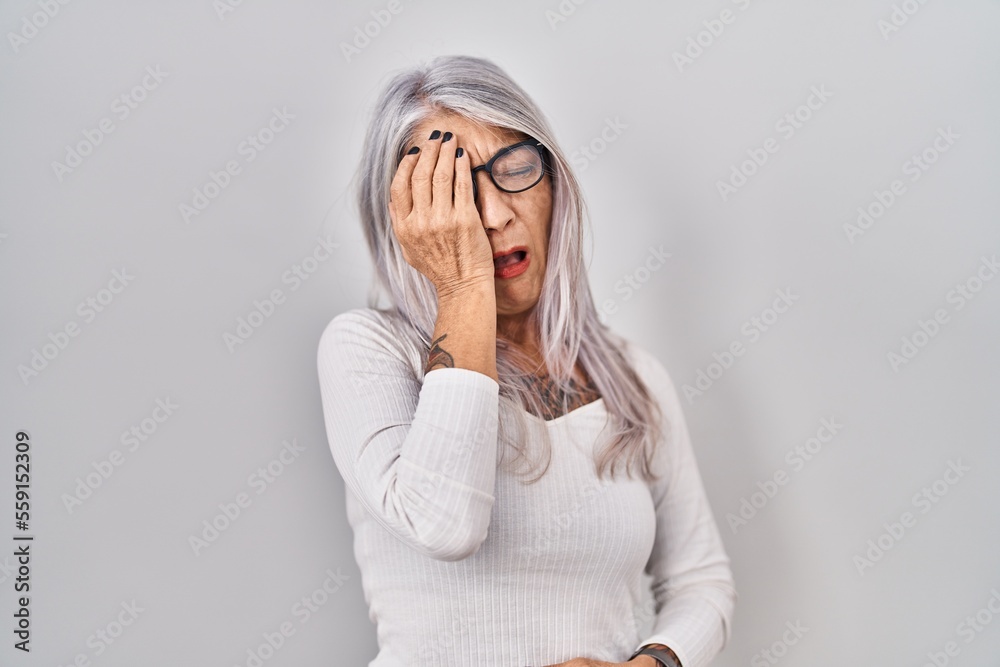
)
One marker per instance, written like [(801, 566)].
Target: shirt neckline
[(549, 422)]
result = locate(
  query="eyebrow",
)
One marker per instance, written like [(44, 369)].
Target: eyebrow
[(494, 154)]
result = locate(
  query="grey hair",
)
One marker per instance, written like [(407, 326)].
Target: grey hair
[(568, 326)]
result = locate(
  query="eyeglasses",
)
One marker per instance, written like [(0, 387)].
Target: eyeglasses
[(515, 168)]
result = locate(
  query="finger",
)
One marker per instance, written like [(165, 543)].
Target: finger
[(399, 189), (392, 215), (442, 193), (420, 181), (464, 201)]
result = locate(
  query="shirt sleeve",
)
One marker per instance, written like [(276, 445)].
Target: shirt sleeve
[(692, 584), (420, 456)]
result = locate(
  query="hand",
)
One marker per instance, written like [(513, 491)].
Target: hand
[(640, 661), (435, 219)]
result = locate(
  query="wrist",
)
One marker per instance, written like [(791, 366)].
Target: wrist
[(470, 303), (669, 657), (645, 661), (468, 289)]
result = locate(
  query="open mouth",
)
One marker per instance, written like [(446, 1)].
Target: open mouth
[(511, 265), (510, 260)]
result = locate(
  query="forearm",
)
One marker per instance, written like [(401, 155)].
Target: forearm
[(696, 623), (465, 334)]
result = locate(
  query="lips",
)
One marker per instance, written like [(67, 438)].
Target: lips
[(510, 263)]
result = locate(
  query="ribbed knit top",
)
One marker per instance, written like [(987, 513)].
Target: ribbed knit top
[(462, 564)]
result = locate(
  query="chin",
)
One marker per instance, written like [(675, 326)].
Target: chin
[(507, 308)]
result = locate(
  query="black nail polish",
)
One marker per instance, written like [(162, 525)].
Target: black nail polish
[(435, 134), (459, 152), (447, 136), (415, 149)]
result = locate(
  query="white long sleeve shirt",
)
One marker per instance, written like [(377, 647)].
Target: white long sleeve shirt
[(462, 564)]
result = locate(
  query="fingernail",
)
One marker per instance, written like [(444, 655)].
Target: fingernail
[(459, 152), (447, 136), (415, 149), (435, 134)]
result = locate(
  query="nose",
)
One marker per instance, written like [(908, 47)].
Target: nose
[(494, 209)]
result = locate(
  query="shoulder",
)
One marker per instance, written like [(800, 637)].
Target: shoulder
[(367, 330), (352, 324), (661, 387), (648, 367), (360, 321)]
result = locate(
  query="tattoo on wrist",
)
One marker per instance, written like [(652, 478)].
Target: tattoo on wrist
[(438, 357)]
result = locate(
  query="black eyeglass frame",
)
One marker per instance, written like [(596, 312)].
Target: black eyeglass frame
[(488, 167)]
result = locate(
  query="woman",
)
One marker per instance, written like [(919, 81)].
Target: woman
[(490, 368)]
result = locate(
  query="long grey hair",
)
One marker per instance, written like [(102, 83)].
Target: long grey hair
[(565, 315)]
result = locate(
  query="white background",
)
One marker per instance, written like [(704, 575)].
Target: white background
[(162, 336)]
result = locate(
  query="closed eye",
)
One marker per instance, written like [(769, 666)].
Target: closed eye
[(520, 172)]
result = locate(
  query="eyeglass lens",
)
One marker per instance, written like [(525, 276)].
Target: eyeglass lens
[(515, 170)]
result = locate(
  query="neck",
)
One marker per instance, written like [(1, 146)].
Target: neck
[(521, 331)]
